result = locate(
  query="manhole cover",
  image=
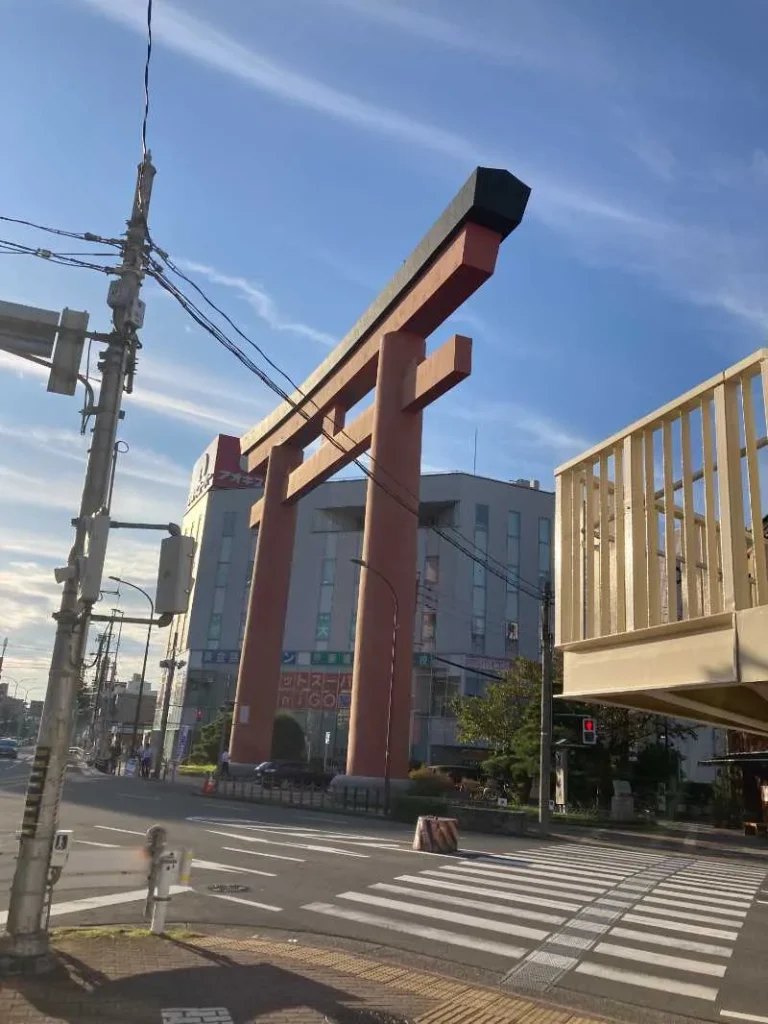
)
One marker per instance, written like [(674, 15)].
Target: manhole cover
[(229, 888)]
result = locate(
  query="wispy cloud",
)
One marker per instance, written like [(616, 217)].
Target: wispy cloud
[(613, 230), (528, 427), (263, 303)]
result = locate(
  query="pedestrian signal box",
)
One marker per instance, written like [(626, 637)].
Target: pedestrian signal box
[(588, 732)]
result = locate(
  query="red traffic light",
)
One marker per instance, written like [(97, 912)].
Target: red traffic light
[(588, 731)]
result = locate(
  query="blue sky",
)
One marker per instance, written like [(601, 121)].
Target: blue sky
[(303, 147)]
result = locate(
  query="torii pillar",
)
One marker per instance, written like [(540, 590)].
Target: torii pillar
[(385, 352)]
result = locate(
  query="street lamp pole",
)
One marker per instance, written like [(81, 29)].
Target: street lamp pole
[(395, 625), (137, 716)]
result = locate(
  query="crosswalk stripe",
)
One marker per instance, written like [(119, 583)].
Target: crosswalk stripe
[(680, 926), (593, 927), (672, 941), (720, 884), (448, 916), (646, 956), (666, 902), (577, 880), (556, 864), (460, 901), (258, 853), (501, 949), (245, 903), (530, 879), (298, 846), (568, 870), (646, 907), (229, 869), (521, 883), (722, 881), (512, 897), (654, 981), (702, 895)]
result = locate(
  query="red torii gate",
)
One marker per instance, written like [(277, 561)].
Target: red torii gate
[(385, 351)]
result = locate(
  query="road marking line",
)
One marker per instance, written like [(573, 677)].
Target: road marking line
[(673, 890), (521, 879), (460, 901), (135, 796), (654, 981), (246, 903), (258, 853), (648, 956), (513, 897), (714, 886), (471, 920), (665, 901), (297, 846), (95, 902), (680, 926), (556, 864), (727, 880), (644, 907), (498, 883), (421, 931), (212, 865), (109, 846), (536, 877), (734, 1015), (673, 941), (125, 831)]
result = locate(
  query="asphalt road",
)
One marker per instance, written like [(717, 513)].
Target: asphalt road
[(637, 933)]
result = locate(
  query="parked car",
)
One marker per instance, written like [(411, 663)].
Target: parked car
[(9, 748), (459, 772), (296, 773)]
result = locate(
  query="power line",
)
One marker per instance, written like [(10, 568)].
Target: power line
[(145, 118), (83, 236)]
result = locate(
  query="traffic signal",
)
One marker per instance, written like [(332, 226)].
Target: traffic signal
[(588, 732)]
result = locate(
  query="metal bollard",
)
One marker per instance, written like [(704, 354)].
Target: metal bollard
[(167, 871)]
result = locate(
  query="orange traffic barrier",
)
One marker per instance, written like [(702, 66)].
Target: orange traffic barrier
[(209, 785), (436, 835)]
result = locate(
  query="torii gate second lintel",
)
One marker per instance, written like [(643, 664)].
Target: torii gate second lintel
[(385, 351)]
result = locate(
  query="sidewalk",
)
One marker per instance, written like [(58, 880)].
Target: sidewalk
[(109, 978)]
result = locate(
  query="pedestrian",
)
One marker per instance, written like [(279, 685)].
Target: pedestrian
[(224, 764), (146, 763)]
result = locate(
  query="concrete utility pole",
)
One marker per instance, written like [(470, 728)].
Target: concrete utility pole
[(2, 656), (171, 665), (28, 934), (545, 749)]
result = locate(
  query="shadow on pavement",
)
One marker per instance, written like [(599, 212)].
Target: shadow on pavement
[(76, 993)]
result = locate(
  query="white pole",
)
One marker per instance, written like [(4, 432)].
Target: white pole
[(162, 896)]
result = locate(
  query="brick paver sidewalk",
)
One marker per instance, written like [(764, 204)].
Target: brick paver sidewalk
[(119, 979)]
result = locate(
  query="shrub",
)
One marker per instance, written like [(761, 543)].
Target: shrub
[(425, 782), (409, 808)]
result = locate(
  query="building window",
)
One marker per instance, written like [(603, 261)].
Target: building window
[(225, 550), (475, 686), (545, 551), (328, 575), (326, 599), (445, 690), (479, 580), (512, 609), (228, 524), (214, 628), (432, 569), (323, 626), (222, 574), (219, 595), (428, 629)]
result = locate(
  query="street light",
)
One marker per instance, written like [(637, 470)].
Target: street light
[(116, 579), (395, 624)]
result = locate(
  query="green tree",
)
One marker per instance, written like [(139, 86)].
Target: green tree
[(496, 717), (287, 738), (209, 740)]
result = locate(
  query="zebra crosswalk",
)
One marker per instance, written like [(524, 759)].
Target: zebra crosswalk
[(590, 918)]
